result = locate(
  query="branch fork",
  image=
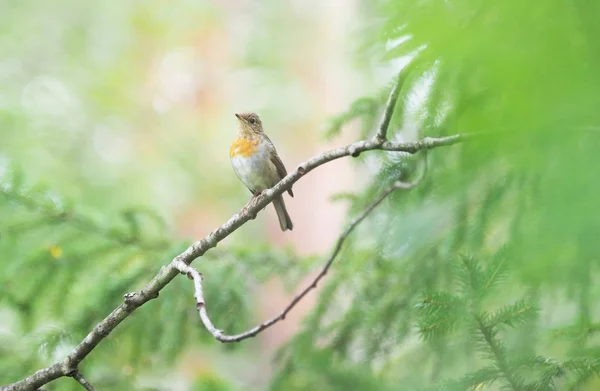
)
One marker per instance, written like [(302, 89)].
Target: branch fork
[(181, 263), (197, 277)]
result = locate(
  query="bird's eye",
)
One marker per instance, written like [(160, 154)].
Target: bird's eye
[(252, 121)]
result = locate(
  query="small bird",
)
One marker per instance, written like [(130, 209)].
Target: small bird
[(256, 163)]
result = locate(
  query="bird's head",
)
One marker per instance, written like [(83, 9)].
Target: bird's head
[(249, 123)]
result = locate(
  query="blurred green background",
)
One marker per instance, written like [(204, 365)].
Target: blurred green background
[(115, 122)]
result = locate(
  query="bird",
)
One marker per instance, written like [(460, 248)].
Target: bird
[(257, 164)]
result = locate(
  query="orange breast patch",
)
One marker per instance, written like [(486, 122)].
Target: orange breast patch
[(243, 147)]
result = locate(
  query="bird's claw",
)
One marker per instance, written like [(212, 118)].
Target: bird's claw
[(252, 203), (255, 198)]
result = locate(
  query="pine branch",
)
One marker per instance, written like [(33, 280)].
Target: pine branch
[(482, 376), (470, 275), (583, 368), (498, 354), (496, 271), (518, 313), (55, 215), (578, 331), (133, 301)]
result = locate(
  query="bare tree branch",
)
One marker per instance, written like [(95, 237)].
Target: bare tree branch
[(197, 277), (81, 380), (133, 301), (381, 134)]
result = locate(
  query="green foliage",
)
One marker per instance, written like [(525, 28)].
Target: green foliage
[(364, 108), (444, 313), (209, 383), (482, 278), (52, 249), (518, 198)]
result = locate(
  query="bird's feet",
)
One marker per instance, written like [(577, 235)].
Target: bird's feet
[(256, 197), (252, 203)]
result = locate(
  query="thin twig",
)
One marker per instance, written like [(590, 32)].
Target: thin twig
[(197, 277), (81, 380), (381, 134)]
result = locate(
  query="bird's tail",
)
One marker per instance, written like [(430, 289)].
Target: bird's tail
[(284, 218)]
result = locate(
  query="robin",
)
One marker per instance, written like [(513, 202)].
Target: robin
[(256, 163)]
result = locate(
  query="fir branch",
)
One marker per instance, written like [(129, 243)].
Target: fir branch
[(133, 301), (583, 368), (518, 313), (438, 326), (498, 353), (56, 215), (578, 331), (549, 370), (367, 107), (438, 301), (441, 312), (364, 108), (482, 376), (197, 277), (496, 271), (470, 275)]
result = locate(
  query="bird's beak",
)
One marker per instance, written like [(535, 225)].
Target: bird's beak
[(238, 116)]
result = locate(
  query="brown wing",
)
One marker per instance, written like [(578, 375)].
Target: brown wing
[(279, 165)]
